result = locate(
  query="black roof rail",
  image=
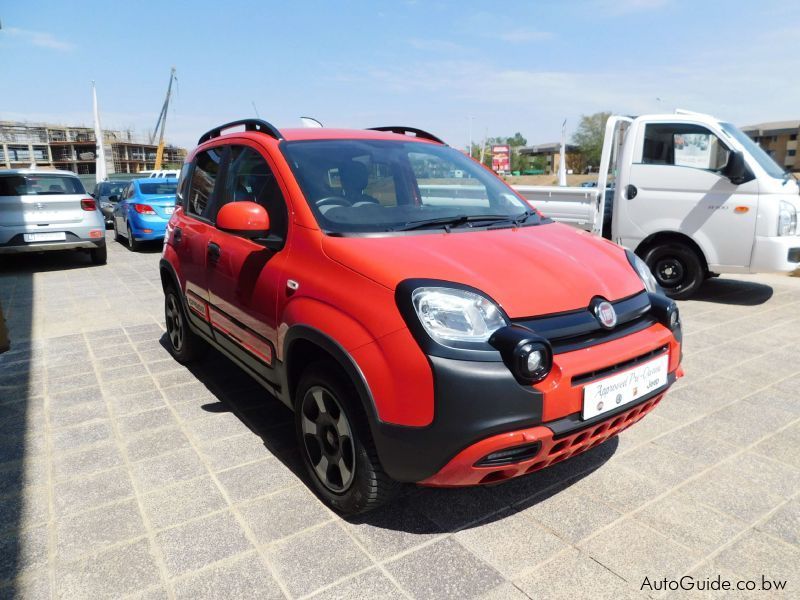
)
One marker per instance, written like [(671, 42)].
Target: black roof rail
[(249, 125), (403, 130)]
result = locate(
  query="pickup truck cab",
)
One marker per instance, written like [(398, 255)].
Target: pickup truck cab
[(694, 197), (425, 328)]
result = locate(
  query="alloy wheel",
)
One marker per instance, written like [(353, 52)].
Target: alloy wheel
[(174, 319), (328, 439)]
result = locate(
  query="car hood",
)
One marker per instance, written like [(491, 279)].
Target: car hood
[(528, 270)]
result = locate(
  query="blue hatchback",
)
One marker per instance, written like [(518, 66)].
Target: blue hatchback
[(144, 210)]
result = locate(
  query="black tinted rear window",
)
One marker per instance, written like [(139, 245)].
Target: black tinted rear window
[(158, 189), (39, 185)]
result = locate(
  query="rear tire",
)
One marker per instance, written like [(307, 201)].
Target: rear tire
[(99, 254), (185, 345), (133, 245), (677, 269), (332, 431)]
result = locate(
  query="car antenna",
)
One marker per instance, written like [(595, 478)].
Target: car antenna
[(310, 122)]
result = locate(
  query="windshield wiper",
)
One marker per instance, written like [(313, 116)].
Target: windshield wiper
[(447, 222), (515, 221)]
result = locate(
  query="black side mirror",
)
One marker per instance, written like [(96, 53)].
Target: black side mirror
[(93, 194), (737, 170), (113, 198)]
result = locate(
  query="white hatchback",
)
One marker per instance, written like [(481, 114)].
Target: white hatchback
[(49, 210)]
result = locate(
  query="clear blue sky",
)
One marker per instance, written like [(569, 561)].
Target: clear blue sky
[(513, 65)]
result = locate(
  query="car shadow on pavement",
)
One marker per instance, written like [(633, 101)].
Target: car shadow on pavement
[(417, 510), (41, 262), (21, 409), (734, 292)]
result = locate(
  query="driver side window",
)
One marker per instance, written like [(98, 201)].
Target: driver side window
[(683, 145)]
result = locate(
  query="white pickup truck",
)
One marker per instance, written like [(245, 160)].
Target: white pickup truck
[(693, 196)]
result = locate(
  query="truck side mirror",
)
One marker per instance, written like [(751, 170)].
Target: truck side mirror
[(737, 170)]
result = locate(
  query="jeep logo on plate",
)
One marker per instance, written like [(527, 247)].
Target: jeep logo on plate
[(606, 314)]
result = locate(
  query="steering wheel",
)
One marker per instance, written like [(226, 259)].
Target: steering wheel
[(332, 201)]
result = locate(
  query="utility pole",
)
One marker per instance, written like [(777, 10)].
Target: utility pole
[(469, 151)]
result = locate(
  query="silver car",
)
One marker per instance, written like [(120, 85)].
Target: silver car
[(49, 210)]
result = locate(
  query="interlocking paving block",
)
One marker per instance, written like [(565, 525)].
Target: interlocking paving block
[(634, 551), (95, 529), (186, 500), (690, 523), (112, 573), (23, 551), (195, 544), (575, 574), (511, 543), (444, 569), (166, 469), (256, 479), (570, 515), (86, 461), (305, 562), (243, 578), (370, 585), (155, 443), (73, 495), (784, 523), (233, 451), (756, 554), (86, 434), (283, 513)]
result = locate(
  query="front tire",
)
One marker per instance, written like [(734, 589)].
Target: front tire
[(677, 269), (335, 443), (185, 345)]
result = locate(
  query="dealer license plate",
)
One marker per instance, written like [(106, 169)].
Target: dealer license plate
[(607, 394), (54, 236)]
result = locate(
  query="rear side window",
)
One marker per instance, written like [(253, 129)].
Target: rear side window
[(183, 184), (250, 178), (39, 185), (204, 178), (683, 145)]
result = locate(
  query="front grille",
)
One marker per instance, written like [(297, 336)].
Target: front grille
[(579, 329), (591, 375)]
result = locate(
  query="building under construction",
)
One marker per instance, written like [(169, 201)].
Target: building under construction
[(73, 149)]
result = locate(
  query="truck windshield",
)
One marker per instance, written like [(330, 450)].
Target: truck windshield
[(762, 158), (39, 185), (362, 186)]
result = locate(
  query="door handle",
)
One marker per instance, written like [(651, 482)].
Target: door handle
[(214, 251), (630, 192)]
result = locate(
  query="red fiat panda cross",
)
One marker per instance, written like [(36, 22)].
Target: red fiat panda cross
[(422, 321)]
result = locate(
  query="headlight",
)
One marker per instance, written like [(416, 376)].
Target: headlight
[(454, 315), (787, 219), (644, 273)]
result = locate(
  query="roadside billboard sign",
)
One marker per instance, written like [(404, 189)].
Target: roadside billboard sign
[(501, 158)]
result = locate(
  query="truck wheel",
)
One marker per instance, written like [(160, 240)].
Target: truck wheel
[(677, 269), (182, 342), (99, 254), (336, 444)]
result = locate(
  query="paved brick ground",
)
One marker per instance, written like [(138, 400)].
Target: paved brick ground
[(124, 474)]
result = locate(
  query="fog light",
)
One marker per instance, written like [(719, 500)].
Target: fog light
[(527, 355), (532, 361), (510, 455), (535, 360), (673, 319)]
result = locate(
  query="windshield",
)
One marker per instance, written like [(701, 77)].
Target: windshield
[(39, 185), (762, 158), (110, 189), (158, 189), (363, 186)]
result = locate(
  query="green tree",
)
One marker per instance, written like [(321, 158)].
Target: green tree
[(589, 137)]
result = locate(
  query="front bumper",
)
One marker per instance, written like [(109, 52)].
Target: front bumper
[(775, 254), (480, 408)]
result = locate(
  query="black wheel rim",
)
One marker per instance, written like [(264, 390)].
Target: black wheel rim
[(327, 439), (670, 272), (174, 319)]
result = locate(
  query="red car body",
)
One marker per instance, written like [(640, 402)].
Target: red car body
[(273, 308)]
